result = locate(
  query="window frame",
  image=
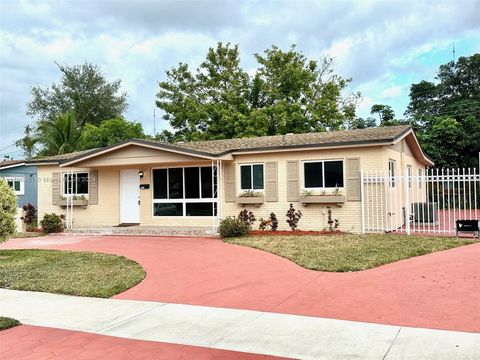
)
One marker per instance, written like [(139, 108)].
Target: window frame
[(392, 173), (410, 176), (420, 178), (251, 164), (212, 200), (323, 174), (21, 181), (75, 173)]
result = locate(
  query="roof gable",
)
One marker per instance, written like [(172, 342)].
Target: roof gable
[(136, 151)]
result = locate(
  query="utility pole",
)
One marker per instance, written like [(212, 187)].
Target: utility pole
[(453, 52)]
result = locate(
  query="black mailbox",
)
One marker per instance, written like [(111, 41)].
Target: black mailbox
[(467, 226)]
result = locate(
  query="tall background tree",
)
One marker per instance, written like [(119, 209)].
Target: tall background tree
[(80, 102), (446, 113), (60, 135), (83, 89), (28, 142), (109, 132), (287, 93)]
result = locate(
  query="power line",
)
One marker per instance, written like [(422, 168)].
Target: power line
[(6, 147), (12, 152)]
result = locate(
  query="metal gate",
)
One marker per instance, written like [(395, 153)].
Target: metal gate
[(428, 202)]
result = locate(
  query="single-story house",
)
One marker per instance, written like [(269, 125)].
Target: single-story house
[(195, 183)]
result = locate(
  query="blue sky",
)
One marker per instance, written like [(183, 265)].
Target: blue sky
[(384, 46)]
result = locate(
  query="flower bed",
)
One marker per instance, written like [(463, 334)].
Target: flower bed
[(293, 233)]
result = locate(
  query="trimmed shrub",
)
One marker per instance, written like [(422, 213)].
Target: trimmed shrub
[(30, 215), (270, 224), (247, 216), (274, 222), (293, 217), (333, 224), (233, 227), (8, 210), (51, 223)]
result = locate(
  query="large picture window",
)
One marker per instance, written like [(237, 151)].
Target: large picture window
[(323, 174), (251, 177), (75, 183), (184, 191)]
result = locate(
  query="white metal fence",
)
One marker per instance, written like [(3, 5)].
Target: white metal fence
[(428, 202)]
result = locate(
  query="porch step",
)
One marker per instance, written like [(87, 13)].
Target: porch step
[(146, 230)]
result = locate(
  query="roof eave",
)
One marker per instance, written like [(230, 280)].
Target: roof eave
[(11, 166), (139, 142)]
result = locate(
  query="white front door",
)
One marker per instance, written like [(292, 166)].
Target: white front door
[(129, 196)]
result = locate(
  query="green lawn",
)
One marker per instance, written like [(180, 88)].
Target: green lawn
[(339, 253), (68, 272), (20, 235), (7, 323)]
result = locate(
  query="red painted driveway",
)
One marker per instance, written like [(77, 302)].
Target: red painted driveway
[(41, 343), (440, 290)]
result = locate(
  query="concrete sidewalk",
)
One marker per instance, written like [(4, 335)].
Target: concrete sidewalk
[(238, 330)]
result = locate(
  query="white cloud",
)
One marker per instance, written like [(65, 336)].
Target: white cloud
[(393, 91), (377, 43)]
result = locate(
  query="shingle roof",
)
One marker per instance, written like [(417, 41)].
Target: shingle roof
[(370, 135), (216, 148), (61, 157), (10, 162)]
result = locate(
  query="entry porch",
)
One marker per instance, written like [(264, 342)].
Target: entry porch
[(153, 191)]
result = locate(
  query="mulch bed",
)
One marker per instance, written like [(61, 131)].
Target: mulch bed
[(293, 233)]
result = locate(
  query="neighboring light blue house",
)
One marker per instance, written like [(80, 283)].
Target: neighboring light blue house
[(22, 179)]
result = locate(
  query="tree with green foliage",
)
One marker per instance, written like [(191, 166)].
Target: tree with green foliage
[(287, 93), (8, 210), (83, 89), (59, 135), (361, 123), (109, 132), (28, 142), (385, 113), (450, 106)]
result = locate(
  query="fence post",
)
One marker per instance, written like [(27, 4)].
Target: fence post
[(362, 201), (406, 181)]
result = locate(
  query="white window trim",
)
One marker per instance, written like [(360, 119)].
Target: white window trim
[(20, 179), (183, 200), (323, 175), (74, 172), (251, 177), (392, 174), (410, 176)]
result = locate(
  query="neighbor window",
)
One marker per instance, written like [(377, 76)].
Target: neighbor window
[(391, 172), (75, 184), (409, 174), (17, 184), (323, 174), (251, 177), (184, 191), (420, 178)]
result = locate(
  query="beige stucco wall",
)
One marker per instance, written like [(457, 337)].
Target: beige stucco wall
[(106, 212), (314, 215)]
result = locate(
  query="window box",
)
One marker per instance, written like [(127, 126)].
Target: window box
[(76, 202), (250, 200), (323, 199)]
